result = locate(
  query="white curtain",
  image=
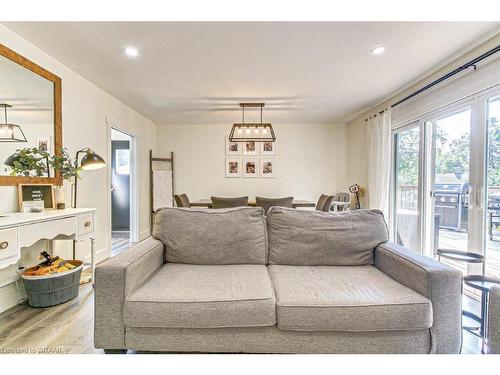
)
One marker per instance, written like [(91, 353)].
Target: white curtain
[(379, 161)]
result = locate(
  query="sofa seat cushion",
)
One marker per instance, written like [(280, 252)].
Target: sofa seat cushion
[(203, 296), (345, 298)]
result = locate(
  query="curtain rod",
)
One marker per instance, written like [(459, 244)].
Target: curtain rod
[(375, 115), (469, 64)]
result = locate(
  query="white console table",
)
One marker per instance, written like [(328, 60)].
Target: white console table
[(19, 230)]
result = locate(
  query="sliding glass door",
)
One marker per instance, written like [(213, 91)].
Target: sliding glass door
[(446, 181)]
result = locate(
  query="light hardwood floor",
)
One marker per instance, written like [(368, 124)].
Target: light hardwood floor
[(69, 328)]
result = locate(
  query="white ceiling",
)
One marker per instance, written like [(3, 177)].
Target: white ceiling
[(199, 72)]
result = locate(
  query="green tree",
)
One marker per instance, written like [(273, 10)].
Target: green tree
[(408, 148), (494, 152)]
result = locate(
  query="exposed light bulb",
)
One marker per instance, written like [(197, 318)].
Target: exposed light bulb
[(248, 131), (239, 131), (264, 131), (256, 131)]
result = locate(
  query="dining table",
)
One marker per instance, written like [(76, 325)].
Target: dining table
[(296, 203)]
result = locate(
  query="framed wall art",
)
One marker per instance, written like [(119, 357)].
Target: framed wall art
[(250, 167), (267, 148), (233, 167), (233, 148), (267, 167), (250, 148)]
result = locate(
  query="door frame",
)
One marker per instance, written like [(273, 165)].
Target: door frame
[(134, 180)]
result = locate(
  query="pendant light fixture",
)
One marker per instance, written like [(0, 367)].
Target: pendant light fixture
[(10, 132), (257, 132)]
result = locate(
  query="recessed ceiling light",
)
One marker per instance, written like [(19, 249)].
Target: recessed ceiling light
[(378, 50), (131, 52)]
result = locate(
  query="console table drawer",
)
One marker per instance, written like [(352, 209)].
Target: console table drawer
[(8, 243), (29, 234), (85, 224)]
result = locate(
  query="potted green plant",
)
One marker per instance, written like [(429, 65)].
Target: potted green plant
[(29, 161), (64, 164)]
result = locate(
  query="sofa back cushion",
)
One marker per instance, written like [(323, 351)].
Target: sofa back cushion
[(313, 238), (209, 236)]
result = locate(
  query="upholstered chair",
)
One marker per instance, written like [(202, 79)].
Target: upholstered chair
[(182, 200), (218, 202), (324, 203), (267, 203)]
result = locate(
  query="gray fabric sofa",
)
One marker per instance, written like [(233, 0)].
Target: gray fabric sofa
[(233, 280), (494, 321)]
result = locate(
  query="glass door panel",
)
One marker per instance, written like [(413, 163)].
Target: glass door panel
[(449, 181), (406, 200), (493, 189)]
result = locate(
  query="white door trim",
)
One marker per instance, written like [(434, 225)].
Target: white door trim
[(134, 180)]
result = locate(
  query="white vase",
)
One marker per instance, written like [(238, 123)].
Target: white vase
[(60, 202)]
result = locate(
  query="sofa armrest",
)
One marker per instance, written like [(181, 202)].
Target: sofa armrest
[(494, 320), (434, 280), (116, 278)]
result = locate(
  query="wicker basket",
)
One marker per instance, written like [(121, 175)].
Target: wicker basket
[(55, 288)]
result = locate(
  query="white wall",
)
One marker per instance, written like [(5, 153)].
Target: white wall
[(310, 160), (358, 158), (85, 108)]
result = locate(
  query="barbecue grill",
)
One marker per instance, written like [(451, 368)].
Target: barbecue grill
[(494, 202), (451, 204)]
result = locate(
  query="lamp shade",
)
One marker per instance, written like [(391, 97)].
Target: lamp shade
[(91, 161)]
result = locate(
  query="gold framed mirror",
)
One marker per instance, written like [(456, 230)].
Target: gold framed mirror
[(30, 115)]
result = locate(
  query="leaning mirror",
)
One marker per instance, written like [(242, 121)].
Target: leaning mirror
[(30, 120)]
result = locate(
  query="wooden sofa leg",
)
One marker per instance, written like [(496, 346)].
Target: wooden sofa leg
[(115, 351)]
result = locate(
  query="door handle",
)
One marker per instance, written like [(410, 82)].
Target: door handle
[(467, 198)]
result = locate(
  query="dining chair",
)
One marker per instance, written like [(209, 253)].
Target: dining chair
[(267, 203), (324, 203), (182, 200), (218, 202), (341, 202)]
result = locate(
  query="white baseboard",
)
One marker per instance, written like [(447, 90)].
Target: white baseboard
[(99, 257)]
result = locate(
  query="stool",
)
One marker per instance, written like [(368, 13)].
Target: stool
[(483, 284), (469, 258)]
